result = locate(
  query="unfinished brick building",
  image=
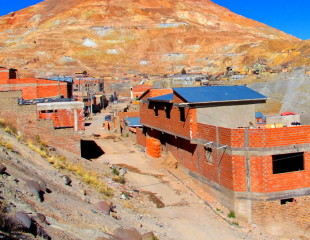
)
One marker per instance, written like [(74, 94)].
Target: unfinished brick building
[(262, 174), (33, 88), (58, 124)]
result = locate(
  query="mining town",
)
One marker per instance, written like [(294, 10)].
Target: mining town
[(119, 122)]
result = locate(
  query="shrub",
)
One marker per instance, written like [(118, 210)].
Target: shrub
[(231, 214), (119, 179), (2, 123), (115, 171), (20, 137)]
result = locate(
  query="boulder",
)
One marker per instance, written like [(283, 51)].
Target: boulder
[(128, 234), (104, 207), (34, 188), (23, 219), (110, 237), (148, 236), (68, 180), (2, 168)]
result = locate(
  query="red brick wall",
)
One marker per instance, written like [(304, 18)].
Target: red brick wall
[(35, 88), (239, 173), (140, 137), (263, 179), (4, 75), (173, 124), (122, 115), (290, 220), (64, 118)]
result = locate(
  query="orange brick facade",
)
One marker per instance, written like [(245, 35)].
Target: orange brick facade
[(33, 88), (64, 118), (236, 164)]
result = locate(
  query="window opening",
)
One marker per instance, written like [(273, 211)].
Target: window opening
[(182, 114), (168, 110), (208, 154), (156, 111), (289, 162), (284, 201)]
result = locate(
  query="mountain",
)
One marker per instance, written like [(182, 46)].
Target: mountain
[(139, 36)]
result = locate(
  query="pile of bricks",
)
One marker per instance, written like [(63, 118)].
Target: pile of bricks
[(153, 147)]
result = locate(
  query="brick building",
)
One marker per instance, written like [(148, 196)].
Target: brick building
[(88, 84), (261, 174), (33, 88), (138, 90), (32, 121)]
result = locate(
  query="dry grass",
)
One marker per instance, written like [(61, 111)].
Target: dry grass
[(91, 178), (128, 204), (8, 145)]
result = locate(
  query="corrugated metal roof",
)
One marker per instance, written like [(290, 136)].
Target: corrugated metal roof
[(259, 115), (61, 79), (46, 100), (218, 94), (133, 121), (164, 98)]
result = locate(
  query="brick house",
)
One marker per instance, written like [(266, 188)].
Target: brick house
[(261, 174), (34, 118), (33, 88), (138, 90)]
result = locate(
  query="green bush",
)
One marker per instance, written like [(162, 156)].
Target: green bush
[(231, 214)]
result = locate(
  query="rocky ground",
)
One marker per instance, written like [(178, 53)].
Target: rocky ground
[(60, 199)]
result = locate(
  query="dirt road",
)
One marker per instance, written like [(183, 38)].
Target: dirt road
[(178, 208)]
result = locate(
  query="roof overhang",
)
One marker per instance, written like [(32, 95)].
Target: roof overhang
[(222, 103)]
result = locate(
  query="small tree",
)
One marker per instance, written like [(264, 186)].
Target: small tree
[(183, 71)]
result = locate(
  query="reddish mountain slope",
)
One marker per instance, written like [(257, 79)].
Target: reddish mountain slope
[(117, 36)]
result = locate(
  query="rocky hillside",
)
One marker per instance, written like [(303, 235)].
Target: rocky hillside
[(139, 36)]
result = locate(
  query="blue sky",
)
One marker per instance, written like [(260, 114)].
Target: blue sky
[(292, 17)]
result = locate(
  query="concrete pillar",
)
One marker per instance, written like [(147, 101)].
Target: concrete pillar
[(75, 120)]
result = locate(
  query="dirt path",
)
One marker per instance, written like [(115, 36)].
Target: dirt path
[(178, 208)]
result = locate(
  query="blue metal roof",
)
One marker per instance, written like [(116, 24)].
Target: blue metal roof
[(133, 122), (259, 115), (165, 98), (61, 79), (218, 94)]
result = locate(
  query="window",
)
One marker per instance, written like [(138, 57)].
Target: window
[(284, 201), (182, 114), (289, 162), (167, 110), (47, 111), (156, 111), (208, 154)]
